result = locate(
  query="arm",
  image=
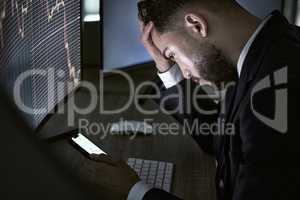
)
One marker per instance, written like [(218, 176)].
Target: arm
[(173, 84), (171, 76), (177, 95)]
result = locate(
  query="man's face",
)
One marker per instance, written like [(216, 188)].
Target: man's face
[(198, 60)]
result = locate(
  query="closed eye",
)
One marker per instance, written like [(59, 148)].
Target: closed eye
[(172, 56), (169, 55)]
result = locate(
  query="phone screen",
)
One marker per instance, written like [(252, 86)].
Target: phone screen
[(86, 145)]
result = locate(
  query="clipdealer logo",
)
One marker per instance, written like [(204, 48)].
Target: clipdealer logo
[(280, 120)]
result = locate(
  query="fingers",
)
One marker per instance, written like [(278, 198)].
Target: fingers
[(103, 159), (162, 63), (147, 31), (148, 42)]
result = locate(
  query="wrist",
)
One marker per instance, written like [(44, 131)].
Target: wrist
[(171, 77)]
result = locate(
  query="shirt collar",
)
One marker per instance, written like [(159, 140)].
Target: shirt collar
[(248, 45)]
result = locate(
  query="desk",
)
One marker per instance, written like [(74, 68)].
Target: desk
[(194, 170)]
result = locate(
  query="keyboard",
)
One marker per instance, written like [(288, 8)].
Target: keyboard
[(153, 173)]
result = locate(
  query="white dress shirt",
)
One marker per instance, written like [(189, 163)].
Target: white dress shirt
[(172, 78), (138, 191)]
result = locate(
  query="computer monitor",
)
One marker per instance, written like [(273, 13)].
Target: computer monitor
[(121, 45), (40, 52)]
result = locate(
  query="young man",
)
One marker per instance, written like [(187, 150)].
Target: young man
[(215, 42)]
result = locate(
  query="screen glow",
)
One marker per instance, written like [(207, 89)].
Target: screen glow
[(298, 14)]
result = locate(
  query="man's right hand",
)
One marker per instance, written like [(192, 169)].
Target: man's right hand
[(162, 63)]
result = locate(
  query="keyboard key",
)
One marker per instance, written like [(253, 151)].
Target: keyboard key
[(161, 172), (153, 172), (139, 161), (169, 167), (167, 180), (138, 165), (144, 178), (154, 164), (152, 179), (131, 160), (147, 162), (158, 185), (144, 172), (169, 175), (146, 165), (159, 177), (167, 187), (160, 180), (161, 166)]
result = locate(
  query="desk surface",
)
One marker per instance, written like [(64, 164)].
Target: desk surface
[(194, 170)]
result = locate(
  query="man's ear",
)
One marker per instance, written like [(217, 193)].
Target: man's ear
[(197, 23)]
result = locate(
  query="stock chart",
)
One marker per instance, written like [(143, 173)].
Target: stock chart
[(39, 41)]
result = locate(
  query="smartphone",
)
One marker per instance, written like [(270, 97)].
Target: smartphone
[(86, 145)]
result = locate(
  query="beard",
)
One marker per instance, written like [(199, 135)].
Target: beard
[(212, 65)]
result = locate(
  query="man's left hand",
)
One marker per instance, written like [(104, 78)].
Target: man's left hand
[(114, 176)]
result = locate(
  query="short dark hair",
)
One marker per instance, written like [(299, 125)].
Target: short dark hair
[(162, 12)]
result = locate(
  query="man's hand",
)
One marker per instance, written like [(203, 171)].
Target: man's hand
[(115, 177), (162, 63)]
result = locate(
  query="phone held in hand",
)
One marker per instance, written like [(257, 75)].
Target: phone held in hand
[(86, 146)]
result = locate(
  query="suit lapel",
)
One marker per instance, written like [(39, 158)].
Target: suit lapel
[(271, 31), (236, 94)]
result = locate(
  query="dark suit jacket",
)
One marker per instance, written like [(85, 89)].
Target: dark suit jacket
[(260, 161)]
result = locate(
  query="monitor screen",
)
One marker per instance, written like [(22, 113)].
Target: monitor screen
[(298, 13), (39, 53), (121, 45)]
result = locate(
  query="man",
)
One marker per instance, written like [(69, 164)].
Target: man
[(216, 42)]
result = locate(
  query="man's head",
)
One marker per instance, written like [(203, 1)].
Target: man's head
[(186, 32)]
